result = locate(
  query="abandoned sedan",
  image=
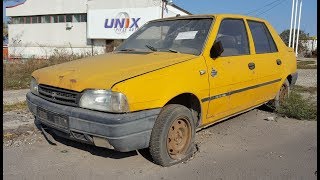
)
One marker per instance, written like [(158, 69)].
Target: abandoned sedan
[(169, 79)]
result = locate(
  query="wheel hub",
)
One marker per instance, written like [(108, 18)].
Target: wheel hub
[(179, 137)]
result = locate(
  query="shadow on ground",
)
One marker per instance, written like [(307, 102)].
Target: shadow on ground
[(94, 150)]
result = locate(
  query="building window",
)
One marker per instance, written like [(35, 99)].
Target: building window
[(34, 19), (83, 18), (68, 18), (61, 18), (45, 19), (76, 18), (15, 20), (28, 20), (54, 19)]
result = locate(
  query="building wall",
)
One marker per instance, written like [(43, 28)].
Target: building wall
[(310, 44), (45, 39), (37, 7)]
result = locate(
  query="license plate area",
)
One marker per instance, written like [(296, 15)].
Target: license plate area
[(53, 119)]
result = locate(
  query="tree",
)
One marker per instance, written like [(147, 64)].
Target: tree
[(5, 31), (302, 37)]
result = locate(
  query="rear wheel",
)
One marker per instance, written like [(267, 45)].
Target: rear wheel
[(281, 96), (172, 137)]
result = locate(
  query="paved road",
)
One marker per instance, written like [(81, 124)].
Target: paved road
[(244, 147)]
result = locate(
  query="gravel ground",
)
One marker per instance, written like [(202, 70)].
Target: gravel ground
[(14, 96), (307, 77)]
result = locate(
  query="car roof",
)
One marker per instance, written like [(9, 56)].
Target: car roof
[(213, 15)]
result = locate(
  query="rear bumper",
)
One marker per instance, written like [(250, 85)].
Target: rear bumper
[(123, 132), (294, 78)]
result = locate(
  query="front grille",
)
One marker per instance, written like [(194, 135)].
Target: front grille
[(58, 95)]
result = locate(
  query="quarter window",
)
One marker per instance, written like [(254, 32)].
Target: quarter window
[(233, 36), (263, 41)]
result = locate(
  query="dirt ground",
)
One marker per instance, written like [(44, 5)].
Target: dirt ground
[(247, 146)]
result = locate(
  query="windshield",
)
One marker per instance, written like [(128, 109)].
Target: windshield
[(178, 36)]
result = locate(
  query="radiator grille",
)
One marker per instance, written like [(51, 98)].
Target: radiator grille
[(58, 95)]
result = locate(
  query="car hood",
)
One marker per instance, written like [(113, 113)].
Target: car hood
[(103, 71)]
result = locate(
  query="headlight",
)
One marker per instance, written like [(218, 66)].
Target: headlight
[(34, 86), (104, 100)]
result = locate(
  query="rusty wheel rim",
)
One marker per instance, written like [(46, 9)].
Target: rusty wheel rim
[(283, 94), (179, 137)]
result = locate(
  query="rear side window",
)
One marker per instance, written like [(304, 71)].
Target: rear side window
[(263, 41), (233, 37)]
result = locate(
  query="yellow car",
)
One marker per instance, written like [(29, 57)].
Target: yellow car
[(169, 79)]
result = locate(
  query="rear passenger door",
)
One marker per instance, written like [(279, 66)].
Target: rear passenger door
[(268, 63)]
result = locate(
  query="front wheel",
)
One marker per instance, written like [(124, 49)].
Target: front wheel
[(172, 137)]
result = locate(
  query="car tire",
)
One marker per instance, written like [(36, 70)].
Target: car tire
[(282, 94), (172, 137)]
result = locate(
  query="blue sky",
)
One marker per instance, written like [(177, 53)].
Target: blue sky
[(279, 14)]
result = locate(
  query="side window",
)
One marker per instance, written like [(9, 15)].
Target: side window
[(263, 41), (233, 36)]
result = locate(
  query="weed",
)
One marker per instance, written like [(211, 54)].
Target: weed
[(295, 106), (302, 89)]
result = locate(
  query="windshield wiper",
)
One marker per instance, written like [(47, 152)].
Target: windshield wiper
[(151, 47), (127, 50), (173, 50)]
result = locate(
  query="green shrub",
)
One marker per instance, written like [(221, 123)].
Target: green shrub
[(295, 106)]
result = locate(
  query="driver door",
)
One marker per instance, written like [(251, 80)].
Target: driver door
[(229, 74)]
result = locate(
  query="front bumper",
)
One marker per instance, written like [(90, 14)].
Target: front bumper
[(124, 132)]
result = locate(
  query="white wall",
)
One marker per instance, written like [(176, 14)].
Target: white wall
[(42, 40), (103, 4), (310, 44), (48, 34), (38, 7)]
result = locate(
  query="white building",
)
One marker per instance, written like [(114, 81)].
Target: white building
[(41, 28), (310, 44)]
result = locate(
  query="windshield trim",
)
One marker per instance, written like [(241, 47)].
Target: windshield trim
[(173, 19)]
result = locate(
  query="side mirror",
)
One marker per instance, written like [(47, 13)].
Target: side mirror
[(216, 49)]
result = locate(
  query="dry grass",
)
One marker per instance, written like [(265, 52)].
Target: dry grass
[(306, 65), (17, 106), (16, 75)]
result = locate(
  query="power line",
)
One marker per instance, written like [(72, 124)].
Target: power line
[(270, 8), (262, 7)]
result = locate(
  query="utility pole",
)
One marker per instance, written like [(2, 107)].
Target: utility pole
[(295, 22), (298, 27), (291, 23)]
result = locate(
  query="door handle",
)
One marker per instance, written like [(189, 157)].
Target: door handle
[(278, 61), (214, 72), (251, 66)]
